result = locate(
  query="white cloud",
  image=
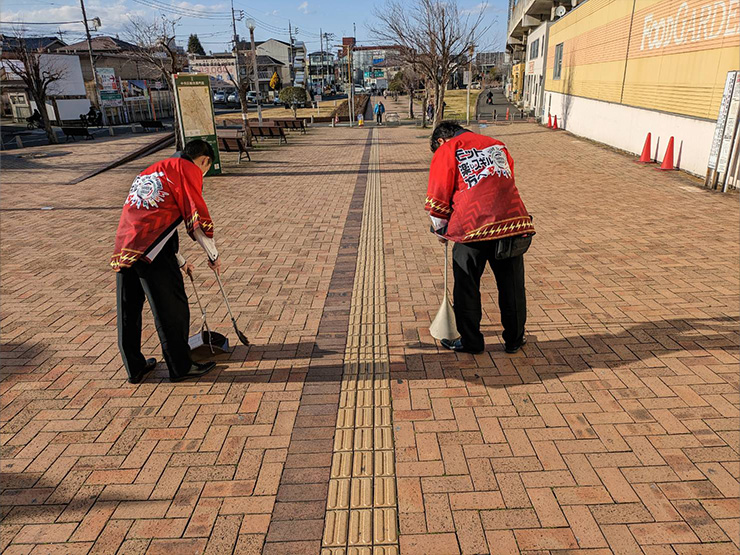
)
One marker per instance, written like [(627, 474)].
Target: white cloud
[(114, 17), (200, 7), (273, 13), (484, 7), (303, 7)]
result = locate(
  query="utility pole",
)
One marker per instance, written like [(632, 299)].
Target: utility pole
[(352, 77), (290, 53), (470, 78), (324, 68), (235, 50), (237, 69), (256, 74), (92, 63), (321, 48)]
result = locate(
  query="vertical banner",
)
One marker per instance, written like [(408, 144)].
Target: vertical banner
[(728, 138), (197, 120), (719, 130)]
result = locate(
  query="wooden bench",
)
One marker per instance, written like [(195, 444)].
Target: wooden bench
[(74, 132), (232, 140), (268, 131), (231, 122), (297, 124), (154, 125)]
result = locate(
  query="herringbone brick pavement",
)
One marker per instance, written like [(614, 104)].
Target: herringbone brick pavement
[(615, 430), (92, 464)]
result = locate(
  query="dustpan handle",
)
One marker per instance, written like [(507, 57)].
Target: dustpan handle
[(202, 310)]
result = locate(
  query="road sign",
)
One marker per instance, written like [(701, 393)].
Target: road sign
[(111, 99), (107, 78)]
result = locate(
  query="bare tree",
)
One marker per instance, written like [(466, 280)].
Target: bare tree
[(434, 36), (242, 84), (409, 81), (37, 71), (155, 42)]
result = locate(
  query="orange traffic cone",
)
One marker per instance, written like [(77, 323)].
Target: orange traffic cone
[(549, 121), (645, 156), (668, 158), (555, 122), (507, 114)]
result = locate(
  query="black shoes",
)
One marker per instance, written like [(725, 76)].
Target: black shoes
[(514, 348), (457, 346), (196, 371), (151, 364)]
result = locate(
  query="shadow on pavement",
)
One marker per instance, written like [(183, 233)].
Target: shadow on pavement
[(545, 359)]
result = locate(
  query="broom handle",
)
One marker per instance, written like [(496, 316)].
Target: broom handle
[(446, 264)]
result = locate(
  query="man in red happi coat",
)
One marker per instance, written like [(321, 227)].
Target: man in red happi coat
[(473, 201), (148, 262)]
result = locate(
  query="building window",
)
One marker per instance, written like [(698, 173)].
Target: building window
[(558, 68), (534, 49)]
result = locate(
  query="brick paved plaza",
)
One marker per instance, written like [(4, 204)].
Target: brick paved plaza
[(344, 428)]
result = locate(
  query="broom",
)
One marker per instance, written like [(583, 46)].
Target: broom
[(444, 326)]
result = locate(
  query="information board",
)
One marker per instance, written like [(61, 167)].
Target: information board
[(194, 100)]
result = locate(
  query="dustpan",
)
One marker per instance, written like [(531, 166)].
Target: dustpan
[(444, 326), (206, 343)]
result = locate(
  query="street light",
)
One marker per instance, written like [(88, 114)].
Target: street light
[(251, 25)]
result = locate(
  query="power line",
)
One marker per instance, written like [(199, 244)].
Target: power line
[(196, 14), (39, 23)]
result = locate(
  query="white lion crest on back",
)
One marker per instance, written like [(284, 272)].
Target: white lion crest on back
[(146, 191)]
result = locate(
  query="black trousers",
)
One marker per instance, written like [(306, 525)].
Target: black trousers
[(161, 283), (468, 263), (379, 117)]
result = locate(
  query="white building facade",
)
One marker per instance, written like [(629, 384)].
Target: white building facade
[(534, 69)]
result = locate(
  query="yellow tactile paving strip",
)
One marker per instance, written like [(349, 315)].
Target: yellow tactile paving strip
[(362, 506)]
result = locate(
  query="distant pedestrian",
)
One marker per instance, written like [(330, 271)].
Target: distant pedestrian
[(430, 111), (473, 201), (147, 259), (379, 111)]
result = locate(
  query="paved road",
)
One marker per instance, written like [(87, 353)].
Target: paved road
[(614, 430), (500, 104)]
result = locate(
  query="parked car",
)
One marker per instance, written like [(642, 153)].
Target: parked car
[(359, 89), (219, 96), (252, 97), (233, 98), (276, 100), (475, 85)]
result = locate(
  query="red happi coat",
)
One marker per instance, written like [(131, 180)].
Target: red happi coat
[(471, 185), (162, 196)]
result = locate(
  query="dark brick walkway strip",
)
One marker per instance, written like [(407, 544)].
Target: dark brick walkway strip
[(297, 521)]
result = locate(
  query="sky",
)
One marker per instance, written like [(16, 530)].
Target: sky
[(211, 19)]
